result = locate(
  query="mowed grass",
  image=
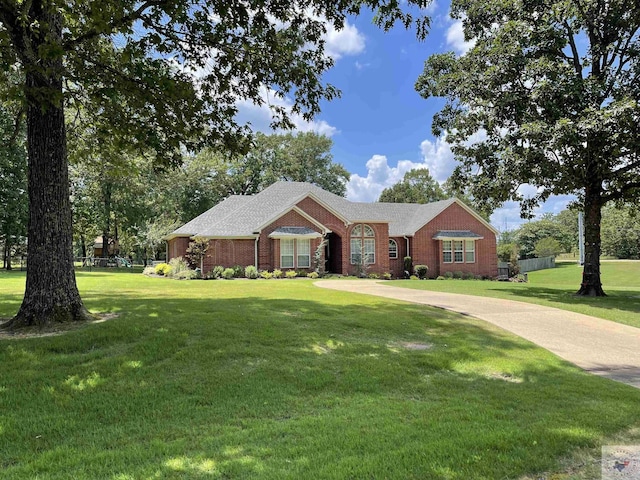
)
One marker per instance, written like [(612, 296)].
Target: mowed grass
[(283, 380), (556, 287)]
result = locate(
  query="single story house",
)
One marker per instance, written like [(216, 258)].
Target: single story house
[(286, 224)]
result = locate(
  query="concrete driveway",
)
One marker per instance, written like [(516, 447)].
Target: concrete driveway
[(598, 346)]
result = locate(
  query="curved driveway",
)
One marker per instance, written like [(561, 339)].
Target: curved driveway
[(598, 346)]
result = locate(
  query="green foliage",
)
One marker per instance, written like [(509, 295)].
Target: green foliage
[(228, 273), (177, 266), (313, 275), (421, 271), (291, 274), (238, 271), (13, 179), (417, 186), (407, 263), (547, 247), (277, 273), (197, 251), (621, 232), (187, 274), (251, 272), (530, 233), (162, 269), (508, 252), (318, 263), (215, 273)]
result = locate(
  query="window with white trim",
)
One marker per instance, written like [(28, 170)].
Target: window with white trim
[(470, 251), (458, 254), (447, 256), (393, 249), (363, 243), (303, 247), (295, 253), (286, 252)]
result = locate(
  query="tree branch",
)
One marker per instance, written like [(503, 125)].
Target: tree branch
[(115, 24), (620, 194), (623, 170), (577, 66)]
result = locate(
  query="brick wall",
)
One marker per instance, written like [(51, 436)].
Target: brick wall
[(229, 253), (426, 251), (396, 265), (178, 247)]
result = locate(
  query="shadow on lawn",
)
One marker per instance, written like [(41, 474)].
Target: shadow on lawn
[(615, 299), (286, 388)]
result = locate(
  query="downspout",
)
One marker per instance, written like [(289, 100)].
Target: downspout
[(256, 252)]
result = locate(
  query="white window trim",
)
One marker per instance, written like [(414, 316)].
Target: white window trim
[(292, 254), (473, 243), (394, 253), (365, 232), (307, 255), (449, 251), (455, 250)]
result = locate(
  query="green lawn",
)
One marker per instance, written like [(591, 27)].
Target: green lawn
[(283, 380), (556, 288)]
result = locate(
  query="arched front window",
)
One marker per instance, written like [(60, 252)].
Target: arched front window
[(363, 245), (393, 249)]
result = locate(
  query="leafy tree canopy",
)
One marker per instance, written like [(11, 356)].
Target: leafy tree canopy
[(552, 90), (417, 186), (211, 176)]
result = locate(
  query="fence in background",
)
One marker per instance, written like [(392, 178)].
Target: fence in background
[(533, 264)]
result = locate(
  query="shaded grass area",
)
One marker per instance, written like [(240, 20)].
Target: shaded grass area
[(282, 380), (556, 288)]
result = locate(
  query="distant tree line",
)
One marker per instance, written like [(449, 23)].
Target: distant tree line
[(122, 196), (553, 235)]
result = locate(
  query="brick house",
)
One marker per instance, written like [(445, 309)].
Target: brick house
[(284, 225)]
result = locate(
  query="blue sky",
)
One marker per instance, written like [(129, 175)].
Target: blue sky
[(381, 127)]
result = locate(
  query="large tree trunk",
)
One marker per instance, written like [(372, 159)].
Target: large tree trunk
[(51, 293), (591, 284)]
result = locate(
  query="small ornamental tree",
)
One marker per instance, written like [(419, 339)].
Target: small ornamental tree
[(197, 251)]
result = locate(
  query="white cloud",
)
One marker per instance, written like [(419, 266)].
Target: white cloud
[(455, 38), (379, 176), (438, 158), (347, 41), (259, 116)]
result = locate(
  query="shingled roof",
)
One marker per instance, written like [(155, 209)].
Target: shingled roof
[(243, 216)]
